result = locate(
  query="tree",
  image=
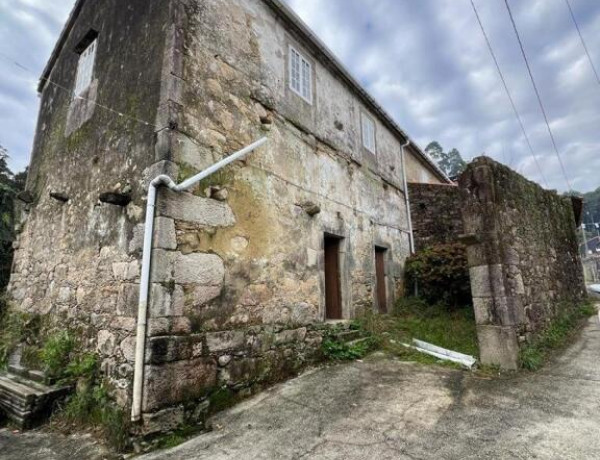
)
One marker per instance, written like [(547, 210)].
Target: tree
[(10, 186), (450, 162)]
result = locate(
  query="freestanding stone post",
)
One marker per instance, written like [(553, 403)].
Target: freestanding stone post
[(523, 258)]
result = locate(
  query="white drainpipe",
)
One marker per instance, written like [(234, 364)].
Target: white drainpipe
[(406, 198), (140, 342)]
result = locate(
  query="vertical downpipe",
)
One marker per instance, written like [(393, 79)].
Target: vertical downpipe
[(407, 201)]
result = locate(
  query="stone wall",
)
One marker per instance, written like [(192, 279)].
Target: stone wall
[(435, 212), (523, 257), (238, 279), (77, 259)]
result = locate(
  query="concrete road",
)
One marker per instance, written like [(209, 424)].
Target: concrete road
[(385, 409), (44, 445)]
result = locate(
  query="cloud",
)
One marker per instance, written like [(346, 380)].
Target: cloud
[(424, 61), (427, 63), (28, 31)]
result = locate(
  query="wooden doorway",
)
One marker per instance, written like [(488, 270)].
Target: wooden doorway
[(333, 294), (380, 284)]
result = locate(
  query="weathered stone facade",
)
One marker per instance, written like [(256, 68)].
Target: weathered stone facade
[(237, 293), (436, 214), (523, 257)]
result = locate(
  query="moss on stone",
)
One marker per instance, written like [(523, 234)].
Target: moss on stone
[(222, 399)]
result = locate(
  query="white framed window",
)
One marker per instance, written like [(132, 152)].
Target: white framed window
[(300, 75), (85, 68), (368, 132)]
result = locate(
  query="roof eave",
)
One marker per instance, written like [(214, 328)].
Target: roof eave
[(60, 44), (298, 24), (288, 15)]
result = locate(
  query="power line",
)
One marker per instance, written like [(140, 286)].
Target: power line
[(512, 102), (120, 114), (537, 93), (583, 41)]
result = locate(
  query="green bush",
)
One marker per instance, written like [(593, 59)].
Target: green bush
[(56, 354), (441, 274), (341, 351)]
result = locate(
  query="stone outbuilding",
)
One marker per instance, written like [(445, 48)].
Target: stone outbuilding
[(248, 265)]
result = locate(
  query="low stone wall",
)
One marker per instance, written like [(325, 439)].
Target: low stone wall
[(189, 376), (523, 257), (435, 214)]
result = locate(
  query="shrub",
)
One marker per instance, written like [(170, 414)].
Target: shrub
[(442, 275), (56, 354), (92, 406), (341, 351)]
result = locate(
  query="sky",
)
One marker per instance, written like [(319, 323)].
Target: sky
[(425, 61)]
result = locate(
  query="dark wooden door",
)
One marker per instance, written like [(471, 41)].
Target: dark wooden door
[(380, 279), (333, 297)]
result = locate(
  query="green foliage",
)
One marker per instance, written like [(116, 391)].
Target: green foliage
[(342, 351), (177, 437), (12, 331), (450, 162), (222, 399), (560, 331), (56, 354), (414, 318), (84, 366), (91, 406), (442, 275), (10, 186)]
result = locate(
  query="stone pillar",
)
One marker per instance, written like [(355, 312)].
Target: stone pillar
[(494, 312)]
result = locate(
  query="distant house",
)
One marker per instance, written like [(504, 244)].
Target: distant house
[(248, 266)]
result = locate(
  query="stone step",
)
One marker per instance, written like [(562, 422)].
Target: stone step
[(362, 340), (35, 375), (348, 336), (26, 402)]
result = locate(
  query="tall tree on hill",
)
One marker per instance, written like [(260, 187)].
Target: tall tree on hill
[(450, 162)]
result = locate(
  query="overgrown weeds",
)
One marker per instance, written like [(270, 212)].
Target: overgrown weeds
[(411, 318), (342, 351), (92, 407), (15, 328), (557, 335), (56, 354)]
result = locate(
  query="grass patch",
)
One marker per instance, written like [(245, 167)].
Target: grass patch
[(413, 318), (556, 336), (91, 407)]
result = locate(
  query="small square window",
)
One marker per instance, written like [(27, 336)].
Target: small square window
[(368, 132), (300, 75), (85, 68)]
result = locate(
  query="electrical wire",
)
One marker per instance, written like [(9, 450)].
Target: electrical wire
[(583, 41), (70, 92), (537, 93), (512, 102)]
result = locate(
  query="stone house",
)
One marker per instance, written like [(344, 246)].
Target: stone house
[(248, 265)]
